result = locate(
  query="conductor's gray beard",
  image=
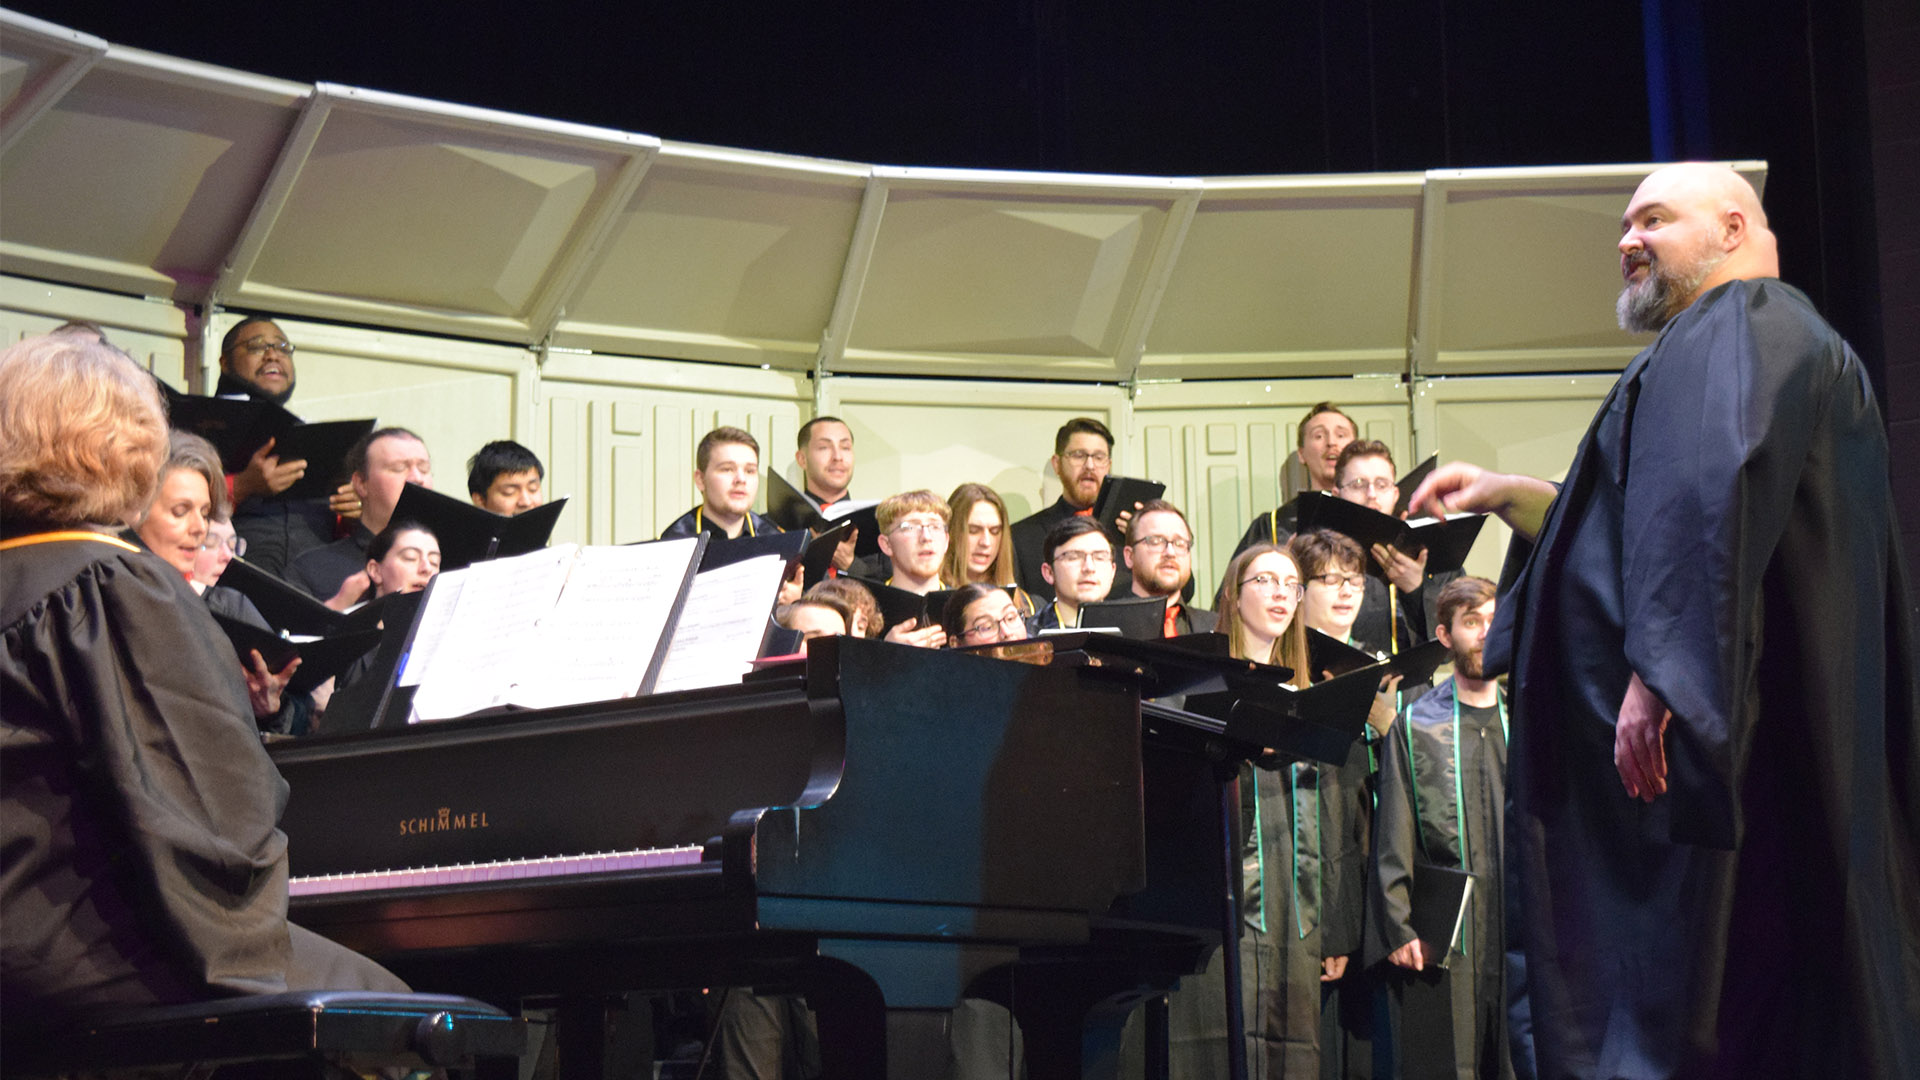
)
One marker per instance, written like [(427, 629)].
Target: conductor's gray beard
[(1645, 306)]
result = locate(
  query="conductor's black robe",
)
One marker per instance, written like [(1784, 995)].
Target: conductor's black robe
[(1726, 532), (138, 810)]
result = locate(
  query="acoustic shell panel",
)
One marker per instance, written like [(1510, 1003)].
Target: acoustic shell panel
[(938, 434), (1520, 268), (407, 212), (1020, 276), (1291, 276), (39, 62), (153, 334), (620, 435), (139, 177), (1225, 449), (721, 255)]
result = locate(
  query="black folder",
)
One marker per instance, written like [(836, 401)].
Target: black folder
[(1447, 542), (1141, 618), (790, 509), (320, 660), (817, 558), (1412, 481), (1119, 493), (1319, 723), (721, 551), (899, 606), (373, 700), (238, 427), (285, 606), (1414, 666), (468, 534), (1440, 898), (1326, 653)]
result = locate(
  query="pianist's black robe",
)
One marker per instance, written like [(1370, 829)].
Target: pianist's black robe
[(137, 807), (1725, 531)]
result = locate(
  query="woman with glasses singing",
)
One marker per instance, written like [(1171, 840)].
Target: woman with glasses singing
[(176, 526), (981, 614), (1259, 606)]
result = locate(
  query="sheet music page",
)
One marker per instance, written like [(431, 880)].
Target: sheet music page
[(601, 637), (490, 637), (441, 603), (843, 508), (722, 625)]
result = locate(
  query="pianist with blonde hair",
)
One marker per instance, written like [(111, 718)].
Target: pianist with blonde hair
[(138, 809)]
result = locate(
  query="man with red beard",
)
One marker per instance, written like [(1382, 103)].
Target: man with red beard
[(1442, 793), (1082, 457), (1714, 821), (1159, 552)]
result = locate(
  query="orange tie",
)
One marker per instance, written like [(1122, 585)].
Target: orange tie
[(1173, 612)]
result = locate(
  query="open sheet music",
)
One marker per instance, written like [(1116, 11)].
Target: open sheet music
[(722, 625), (559, 626)]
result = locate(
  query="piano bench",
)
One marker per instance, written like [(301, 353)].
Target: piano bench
[(322, 1033)]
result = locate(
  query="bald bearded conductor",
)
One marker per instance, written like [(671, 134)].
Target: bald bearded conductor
[(1715, 775)]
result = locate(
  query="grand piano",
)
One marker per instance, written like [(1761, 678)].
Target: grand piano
[(875, 826)]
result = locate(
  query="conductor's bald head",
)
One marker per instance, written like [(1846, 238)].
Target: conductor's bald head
[(1690, 227)]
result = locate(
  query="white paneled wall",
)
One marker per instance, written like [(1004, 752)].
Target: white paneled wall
[(619, 433)]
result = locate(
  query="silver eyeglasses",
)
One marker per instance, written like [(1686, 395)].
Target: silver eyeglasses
[(1271, 583), (1360, 485), (987, 624)]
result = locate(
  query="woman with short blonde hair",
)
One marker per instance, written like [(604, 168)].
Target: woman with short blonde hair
[(82, 435), (140, 786)]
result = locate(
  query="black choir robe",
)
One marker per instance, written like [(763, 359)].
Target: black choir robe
[(1726, 531), (138, 809), (1281, 908), (1451, 1021), (277, 530)]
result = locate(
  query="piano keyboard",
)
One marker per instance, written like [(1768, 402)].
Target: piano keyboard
[(508, 870)]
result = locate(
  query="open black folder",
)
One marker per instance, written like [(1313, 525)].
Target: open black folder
[(320, 659), (1439, 903), (1141, 618), (1447, 542), (792, 510), (1193, 677), (815, 553), (285, 606), (238, 427), (899, 606), (1412, 481), (468, 534), (1319, 723), (1326, 653)]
